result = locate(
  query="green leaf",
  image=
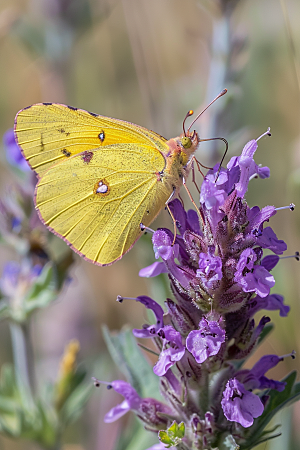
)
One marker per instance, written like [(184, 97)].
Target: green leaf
[(132, 362), (173, 435), (265, 332), (75, 403), (16, 418), (43, 291), (135, 437), (4, 309), (7, 380), (47, 424)]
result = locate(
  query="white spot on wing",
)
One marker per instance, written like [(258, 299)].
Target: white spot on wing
[(102, 189)]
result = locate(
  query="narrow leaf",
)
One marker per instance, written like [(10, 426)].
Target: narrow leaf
[(131, 361)]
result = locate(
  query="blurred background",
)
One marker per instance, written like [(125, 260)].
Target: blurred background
[(149, 62)]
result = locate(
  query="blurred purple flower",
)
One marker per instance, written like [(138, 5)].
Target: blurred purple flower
[(13, 153), (17, 278)]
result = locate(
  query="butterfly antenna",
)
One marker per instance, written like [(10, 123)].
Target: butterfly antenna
[(188, 114), (223, 157), (218, 96)]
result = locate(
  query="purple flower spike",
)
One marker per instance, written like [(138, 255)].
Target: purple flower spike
[(220, 279), (132, 401), (240, 405), (150, 331), (206, 341), (13, 152), (172, 351)]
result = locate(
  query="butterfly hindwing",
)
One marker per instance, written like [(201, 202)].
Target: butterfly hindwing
[(49, 133), (96, 200)]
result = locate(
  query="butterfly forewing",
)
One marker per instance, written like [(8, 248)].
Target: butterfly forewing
[(50, 133), (96, 200)]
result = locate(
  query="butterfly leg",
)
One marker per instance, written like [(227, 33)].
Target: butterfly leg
[(171, 214), (193, 160), (192, 200)]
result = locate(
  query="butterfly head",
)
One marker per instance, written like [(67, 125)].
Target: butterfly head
[(189, 142)]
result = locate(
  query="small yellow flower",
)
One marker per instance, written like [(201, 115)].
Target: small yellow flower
[(68, 361), (66, 372)]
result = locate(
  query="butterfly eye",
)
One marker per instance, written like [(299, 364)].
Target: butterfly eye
[(186, 142)]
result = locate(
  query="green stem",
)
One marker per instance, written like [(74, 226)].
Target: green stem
[(23, 366)]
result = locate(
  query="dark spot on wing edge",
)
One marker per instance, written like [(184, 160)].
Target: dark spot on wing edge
[(101, 136)]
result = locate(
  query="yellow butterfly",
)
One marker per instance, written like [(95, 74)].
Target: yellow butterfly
[(99, 178)]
